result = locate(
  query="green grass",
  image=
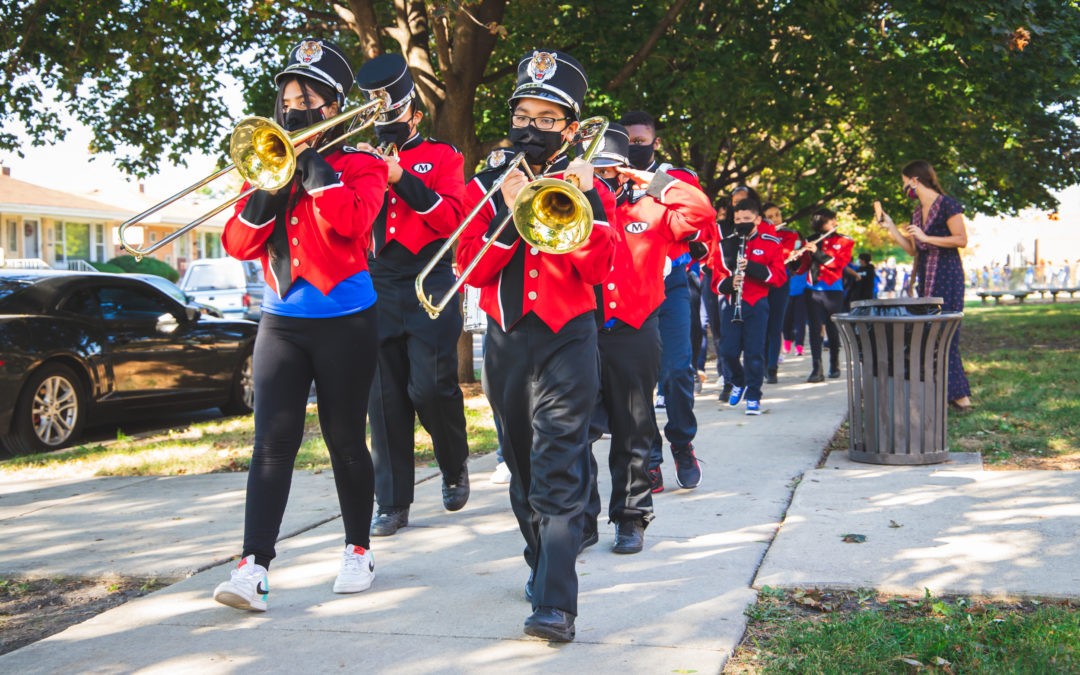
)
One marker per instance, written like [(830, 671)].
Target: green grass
[(1023, 363), (859, 632), (218, 446)]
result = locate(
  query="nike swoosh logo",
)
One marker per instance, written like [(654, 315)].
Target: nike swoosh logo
[(262, 590), (371, 566)]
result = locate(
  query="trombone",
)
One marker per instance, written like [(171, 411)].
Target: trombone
[(264, 154), (550, 214)]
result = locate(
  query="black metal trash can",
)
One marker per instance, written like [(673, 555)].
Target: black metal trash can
[(898, 363)]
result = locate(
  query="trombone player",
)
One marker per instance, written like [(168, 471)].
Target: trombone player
[(319, 321), (541, 370), (417, 373)]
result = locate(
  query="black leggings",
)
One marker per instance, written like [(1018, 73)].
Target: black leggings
[(820, 306), (339, 354)]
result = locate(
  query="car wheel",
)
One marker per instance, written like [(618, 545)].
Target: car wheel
[(242, 399), (50, 412)]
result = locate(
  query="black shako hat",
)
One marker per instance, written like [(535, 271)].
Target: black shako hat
[(387, 77), (614, 149), (552, 75), (323, 61)]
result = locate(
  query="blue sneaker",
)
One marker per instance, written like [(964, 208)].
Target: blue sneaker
[(753, 407), (736, 396)]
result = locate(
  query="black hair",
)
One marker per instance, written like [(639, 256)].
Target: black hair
[(747, 205), (723, 203), (308, 86), (820, 217), (865, 257), (769, 205), (751, 193), (638, 117)]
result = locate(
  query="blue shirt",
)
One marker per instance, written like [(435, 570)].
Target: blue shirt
[(798, 283), (305, 301)]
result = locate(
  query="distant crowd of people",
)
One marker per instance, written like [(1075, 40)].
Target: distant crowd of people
[(1045, 273)]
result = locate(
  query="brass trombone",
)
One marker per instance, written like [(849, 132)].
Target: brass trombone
[(265, 156), (550, 214)]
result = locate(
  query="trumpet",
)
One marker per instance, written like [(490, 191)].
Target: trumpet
[(550, 214), (264, 154)]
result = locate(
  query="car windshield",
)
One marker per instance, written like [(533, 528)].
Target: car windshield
[(169, 287), (214, 278), (9, 286)]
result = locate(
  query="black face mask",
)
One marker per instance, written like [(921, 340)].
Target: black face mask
[(640, 156), (617, 188), (296, 119), (395, 132), (537, 145), (743, 229)]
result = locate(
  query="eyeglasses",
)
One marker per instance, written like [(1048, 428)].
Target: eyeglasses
[(541, 123)]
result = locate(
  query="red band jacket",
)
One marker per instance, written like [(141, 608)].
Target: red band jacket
[(424, 206), (326, 225), (828, 262), (764, 264), (671, 211), (678, 248), (515, 278)]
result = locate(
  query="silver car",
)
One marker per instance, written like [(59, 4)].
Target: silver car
[(234, 287)]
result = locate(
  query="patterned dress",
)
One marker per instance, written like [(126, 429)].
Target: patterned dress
[(941, 274)]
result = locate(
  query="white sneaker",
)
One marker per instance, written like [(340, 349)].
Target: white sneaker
[(357, 570), (501, 474), (246, 588)]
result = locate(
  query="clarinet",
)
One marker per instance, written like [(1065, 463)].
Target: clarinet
[(737, 318)]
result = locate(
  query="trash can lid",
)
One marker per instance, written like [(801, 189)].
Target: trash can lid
[(897, 302)]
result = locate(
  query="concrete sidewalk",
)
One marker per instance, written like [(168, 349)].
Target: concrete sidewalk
[(449, 590), (951, 528)]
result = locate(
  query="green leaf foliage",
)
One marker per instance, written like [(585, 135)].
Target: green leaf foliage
[(811, 102), (127, 263)]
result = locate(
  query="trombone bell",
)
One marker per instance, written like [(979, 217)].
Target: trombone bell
[(263, 153), (553, 216)]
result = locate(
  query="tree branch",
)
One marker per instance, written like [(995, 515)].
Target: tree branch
[(654, 37)]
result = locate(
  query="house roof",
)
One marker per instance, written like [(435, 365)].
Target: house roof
[(20, 197)]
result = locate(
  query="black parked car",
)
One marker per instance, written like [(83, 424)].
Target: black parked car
[(80, 345)]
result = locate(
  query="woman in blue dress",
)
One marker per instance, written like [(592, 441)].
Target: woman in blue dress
[(935, 236)]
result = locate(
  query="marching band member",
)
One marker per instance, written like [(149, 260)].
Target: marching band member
[(417, 373), (319, 322), (826, 261), (677, 371), (745, 266), (778, 295), (654, 212), (541, 368)]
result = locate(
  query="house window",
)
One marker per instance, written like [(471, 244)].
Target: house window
[(98, 253), (211, 245), (12, 241), (72, 241)]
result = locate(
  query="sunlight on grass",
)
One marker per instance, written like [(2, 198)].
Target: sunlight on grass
[(217, 446), (1023, 363)]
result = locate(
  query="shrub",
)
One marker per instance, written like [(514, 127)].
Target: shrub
[(128, 263), (107, 267)]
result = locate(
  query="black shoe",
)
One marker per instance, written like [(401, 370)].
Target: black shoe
[(389, 520), (657, 480), (725, 393), (815, 373), (590, 536), (629, 537), (529, 586), (455, 492), (834, 372), (771, 379), (550, 624), (687, 469)]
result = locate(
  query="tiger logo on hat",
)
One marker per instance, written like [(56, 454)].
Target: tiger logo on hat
[(541, 67), (309, 51)]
